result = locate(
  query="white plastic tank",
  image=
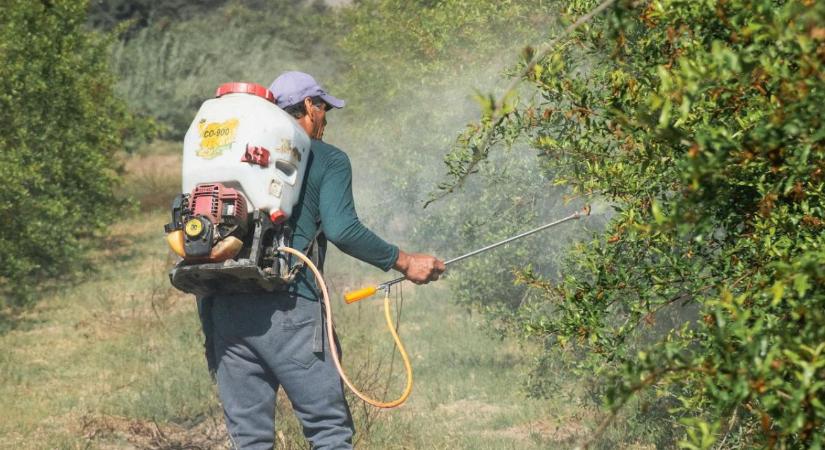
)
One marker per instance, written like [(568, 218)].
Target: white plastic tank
[(241, 139)]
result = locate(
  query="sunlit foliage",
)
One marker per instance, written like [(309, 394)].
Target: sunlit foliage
[(61, 126), (701, 121)]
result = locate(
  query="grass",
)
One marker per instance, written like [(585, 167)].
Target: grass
[(105, 346), (153, 175), (467, 389), (117, 358), (115, 361)]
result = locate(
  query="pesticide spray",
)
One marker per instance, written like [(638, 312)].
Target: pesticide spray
[(361, 294)]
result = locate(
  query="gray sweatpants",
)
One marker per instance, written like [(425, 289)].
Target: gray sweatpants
[(262, 341)]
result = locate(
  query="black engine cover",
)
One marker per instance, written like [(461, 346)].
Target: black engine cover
[(200, 245)]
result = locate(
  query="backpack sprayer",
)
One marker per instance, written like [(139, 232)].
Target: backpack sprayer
[(243, 165)]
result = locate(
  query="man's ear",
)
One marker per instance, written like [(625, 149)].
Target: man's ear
[(308, 108), (307, 122)]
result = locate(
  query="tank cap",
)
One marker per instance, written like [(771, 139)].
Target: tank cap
[(245, 88)]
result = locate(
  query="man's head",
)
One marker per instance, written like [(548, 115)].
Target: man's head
[(302, 97)]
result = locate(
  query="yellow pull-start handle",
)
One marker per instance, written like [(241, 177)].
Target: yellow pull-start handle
[(175, 240), (360, 294)]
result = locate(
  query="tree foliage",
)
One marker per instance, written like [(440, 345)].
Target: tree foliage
[(167, 68), (62, 124), (138, 14), (409, 74), (701, 123)]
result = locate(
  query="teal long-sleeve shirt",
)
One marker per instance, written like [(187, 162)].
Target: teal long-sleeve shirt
[(326, 201)]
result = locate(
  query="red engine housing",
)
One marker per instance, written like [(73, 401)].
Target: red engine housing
[(217, 202)]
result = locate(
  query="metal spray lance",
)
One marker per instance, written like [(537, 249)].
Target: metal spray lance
[(369, 291)]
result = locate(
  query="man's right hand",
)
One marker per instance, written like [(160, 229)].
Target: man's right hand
[(418, 267)]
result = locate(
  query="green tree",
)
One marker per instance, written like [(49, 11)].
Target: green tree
[(62, 125), (168, 68), (701, 122)]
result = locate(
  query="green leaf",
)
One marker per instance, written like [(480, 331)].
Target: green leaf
[(778, 290), (656, 210), (800, 284)]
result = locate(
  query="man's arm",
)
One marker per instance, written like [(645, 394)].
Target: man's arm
[(343, 228)]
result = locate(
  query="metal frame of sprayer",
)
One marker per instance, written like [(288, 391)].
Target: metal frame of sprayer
[(257, 266)]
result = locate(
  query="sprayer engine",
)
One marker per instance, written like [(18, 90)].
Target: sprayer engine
[(209, 224), (222, 246)]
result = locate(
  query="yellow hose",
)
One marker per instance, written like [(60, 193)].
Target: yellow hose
[(334, 348)]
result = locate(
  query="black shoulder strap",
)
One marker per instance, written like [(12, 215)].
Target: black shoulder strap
[(313, 253)]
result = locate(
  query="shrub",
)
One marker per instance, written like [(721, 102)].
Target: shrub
[(62, 124), (704, 128)]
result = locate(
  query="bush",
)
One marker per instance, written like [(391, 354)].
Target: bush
[(108, 14), (62, 125), (704, 129)]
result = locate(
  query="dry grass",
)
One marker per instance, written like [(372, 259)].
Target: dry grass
[(153, 175), (114, 432), (115, 361)]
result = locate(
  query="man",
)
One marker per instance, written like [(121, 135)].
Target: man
[(263, 341)]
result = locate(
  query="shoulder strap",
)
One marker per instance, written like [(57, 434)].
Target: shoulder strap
[(312, 249), (312, 253)]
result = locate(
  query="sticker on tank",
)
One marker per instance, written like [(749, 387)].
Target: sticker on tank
[(216, 137)]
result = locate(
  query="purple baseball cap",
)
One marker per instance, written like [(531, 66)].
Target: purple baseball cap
[(291, 88)]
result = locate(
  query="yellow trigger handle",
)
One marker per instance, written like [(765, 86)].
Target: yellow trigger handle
[(360, 294)]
